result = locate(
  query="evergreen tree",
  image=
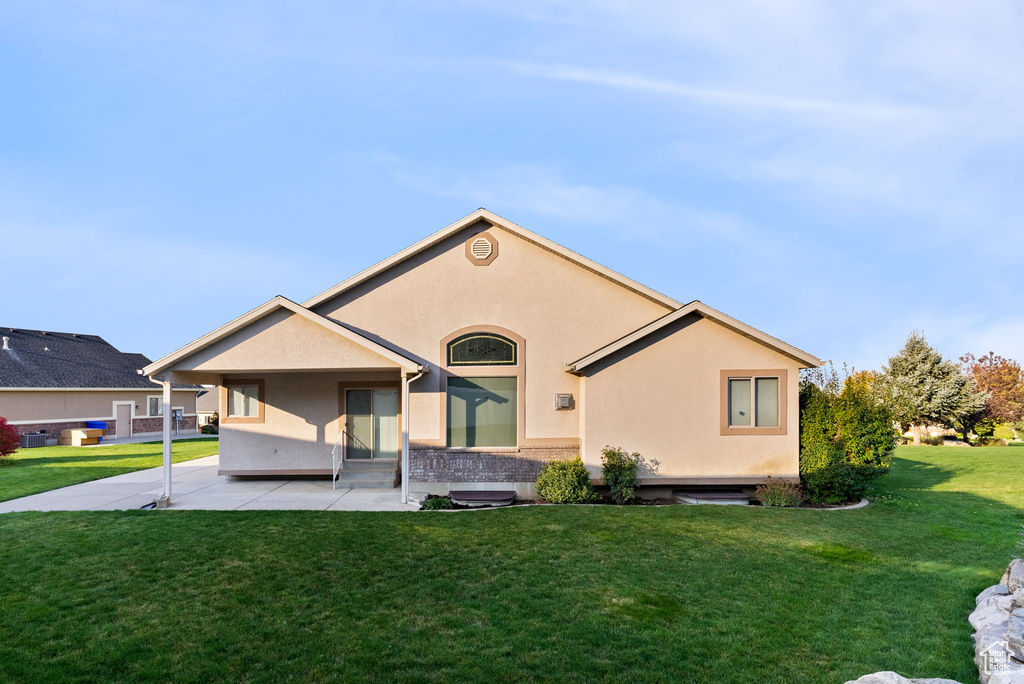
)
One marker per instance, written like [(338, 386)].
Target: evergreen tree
[(922, 388)]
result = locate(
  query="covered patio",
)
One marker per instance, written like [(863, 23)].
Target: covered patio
[(289, 382)]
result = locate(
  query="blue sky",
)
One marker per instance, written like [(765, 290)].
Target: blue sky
[(836, 174)]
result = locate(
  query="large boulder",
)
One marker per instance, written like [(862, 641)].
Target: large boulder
[(999, 612), (1015, 633), (893, 678), (1014, 577)]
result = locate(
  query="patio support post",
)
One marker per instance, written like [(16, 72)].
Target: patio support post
[(405, 438), (165, 499)]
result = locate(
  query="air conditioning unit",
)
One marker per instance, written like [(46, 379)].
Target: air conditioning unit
[(563, 402), (36, 440)]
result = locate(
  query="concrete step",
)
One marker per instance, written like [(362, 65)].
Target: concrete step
[(367, 484), (382, 474), (369, 464)]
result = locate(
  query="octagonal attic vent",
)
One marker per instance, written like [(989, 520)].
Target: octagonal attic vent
[(481, 248)]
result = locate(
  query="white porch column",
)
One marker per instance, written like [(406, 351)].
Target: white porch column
[(405, 438), (165, 498)]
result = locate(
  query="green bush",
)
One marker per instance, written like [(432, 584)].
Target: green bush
[(1003, 432), (619, 468), (933, 441), (208, 429), (846, 436), (565, 482), (990, 442), (779, 493), (436, 503)]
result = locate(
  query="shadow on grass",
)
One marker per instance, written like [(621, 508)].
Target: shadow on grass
[(913, 474)]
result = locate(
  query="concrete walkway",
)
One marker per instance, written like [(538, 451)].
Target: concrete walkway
[(197, 486)]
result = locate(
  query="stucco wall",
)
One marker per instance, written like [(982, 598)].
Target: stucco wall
[(563, 312), (661, 397), (282, 341), (50, 406), (301, 423)]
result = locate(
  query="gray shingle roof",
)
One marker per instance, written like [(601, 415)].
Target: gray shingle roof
[(37, 358)]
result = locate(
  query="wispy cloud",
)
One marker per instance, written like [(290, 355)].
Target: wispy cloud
[(628, 213), (725, 98)]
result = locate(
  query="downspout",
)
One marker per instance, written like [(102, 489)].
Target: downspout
[(406, 381)]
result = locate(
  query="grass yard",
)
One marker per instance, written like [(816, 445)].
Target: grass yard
[(575, 594), (30, 471)]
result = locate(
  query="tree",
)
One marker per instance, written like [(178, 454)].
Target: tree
[(922, 388), (9, 440), (846, 435), (1003, 381)]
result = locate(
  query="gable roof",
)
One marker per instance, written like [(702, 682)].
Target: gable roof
[(45, 359), (259, 312), (504, 224), (707, 312), (207, 401)]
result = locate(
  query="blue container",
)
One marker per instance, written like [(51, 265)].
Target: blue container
[(96, 425)]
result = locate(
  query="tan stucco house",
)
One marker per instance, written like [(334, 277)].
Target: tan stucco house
[(54, 381), (475, 356)]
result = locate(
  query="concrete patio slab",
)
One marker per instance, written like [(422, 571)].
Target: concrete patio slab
[(197, 486)]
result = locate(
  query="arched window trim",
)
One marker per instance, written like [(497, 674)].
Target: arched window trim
[(450, 346)]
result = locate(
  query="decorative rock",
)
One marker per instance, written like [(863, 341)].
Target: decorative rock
[(1015, 575), (991, 612), (1017, 601), (893, 678), (994, 590), (1015, 633), (992, 643)]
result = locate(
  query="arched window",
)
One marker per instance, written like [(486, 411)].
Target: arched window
[(482, 349), (483, 387)]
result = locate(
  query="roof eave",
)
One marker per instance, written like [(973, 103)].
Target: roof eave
[(705, 311), (259, 312)]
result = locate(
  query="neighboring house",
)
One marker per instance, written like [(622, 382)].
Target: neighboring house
[(52, 381), (207, 404), (477, 355)]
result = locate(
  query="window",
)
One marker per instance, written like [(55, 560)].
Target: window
[(483, 407), (482, 349), (482, 412), (155, 406), (242, 401), (754, 402)]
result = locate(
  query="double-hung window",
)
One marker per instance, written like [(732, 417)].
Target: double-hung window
[(155, 406), (753, 402)]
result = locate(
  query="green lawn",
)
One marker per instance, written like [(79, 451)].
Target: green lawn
[(30, 471), (574, 594)]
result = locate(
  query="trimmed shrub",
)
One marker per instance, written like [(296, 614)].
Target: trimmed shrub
[(779, 493), (991, 442), (846, 436), (933, 441), (1003, 432), (566, 482), (9, 438), (209, 429), (619, 468), (436, 503)]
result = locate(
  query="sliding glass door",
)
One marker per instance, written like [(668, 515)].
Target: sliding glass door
[(371, 424)]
